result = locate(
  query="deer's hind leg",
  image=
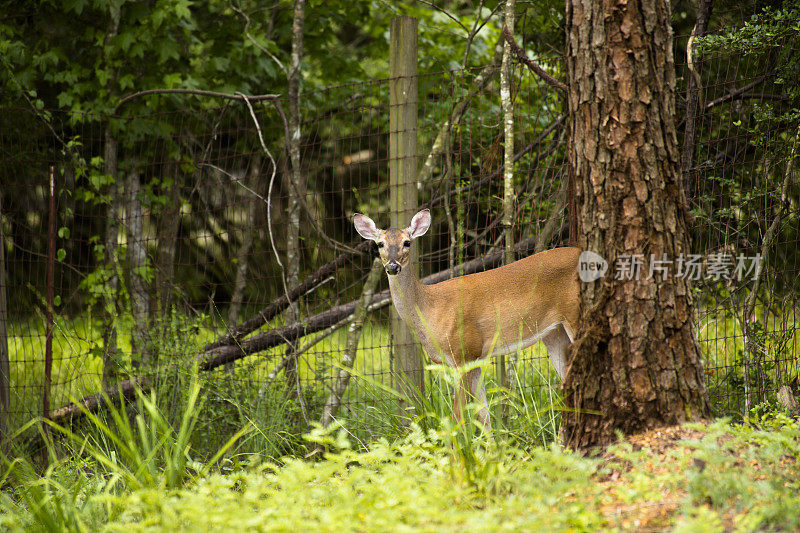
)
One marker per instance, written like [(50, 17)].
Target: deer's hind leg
[(557, 343)]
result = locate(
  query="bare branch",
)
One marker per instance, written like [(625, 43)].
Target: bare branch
[(451, 17), (269, 192), (196, 92), (125, 391), (252, 39), (738, 92), (471, 34), (277, 306), (523, 58)]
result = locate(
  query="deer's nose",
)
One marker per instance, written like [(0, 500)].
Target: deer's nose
[(393, 268)]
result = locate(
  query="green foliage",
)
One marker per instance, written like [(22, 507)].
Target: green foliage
[(147, 450), (718, 477)]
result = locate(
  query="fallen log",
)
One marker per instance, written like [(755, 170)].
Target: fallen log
[(280, 304), (125, 390)]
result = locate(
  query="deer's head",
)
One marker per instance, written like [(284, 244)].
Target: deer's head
[(394, 245)]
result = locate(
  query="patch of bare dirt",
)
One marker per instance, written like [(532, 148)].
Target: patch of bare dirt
[(664, 457)]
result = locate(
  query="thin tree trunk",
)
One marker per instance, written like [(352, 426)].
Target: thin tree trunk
[(295, 178), (243, 257), (110, 306), (351, 345), (505, 375), (451, 225), (137, 263), (635, 363), (167, 243), (5, 364), (694, 104)]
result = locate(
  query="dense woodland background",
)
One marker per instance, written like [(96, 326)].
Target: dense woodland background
[(165, 238)]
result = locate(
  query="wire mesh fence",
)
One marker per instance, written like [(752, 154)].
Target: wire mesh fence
[(170, 238)]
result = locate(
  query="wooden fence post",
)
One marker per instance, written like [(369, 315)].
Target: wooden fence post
[(407, 361)]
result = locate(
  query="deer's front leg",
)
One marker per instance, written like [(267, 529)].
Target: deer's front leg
[(478, 390), (470, 388)]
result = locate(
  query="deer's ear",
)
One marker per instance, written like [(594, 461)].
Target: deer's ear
[(419, 224), (365, 227)]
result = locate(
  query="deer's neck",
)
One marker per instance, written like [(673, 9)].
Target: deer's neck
[(408, 296)]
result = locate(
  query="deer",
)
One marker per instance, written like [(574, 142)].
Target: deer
[(495, 312)]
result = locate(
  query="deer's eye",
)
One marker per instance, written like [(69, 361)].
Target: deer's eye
[(407, 244), (380, 244)]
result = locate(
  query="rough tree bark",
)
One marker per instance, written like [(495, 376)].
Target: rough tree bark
[(635, 363)]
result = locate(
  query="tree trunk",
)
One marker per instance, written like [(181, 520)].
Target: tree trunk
[(295, 178), (243, 257), (635, 363), (110, 152), (167, 243), (505, 376), (137, 263)]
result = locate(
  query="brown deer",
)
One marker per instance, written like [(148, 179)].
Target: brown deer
[(495, 312)]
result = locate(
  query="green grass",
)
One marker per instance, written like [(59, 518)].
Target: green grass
[(369, 409), (142, 474)]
